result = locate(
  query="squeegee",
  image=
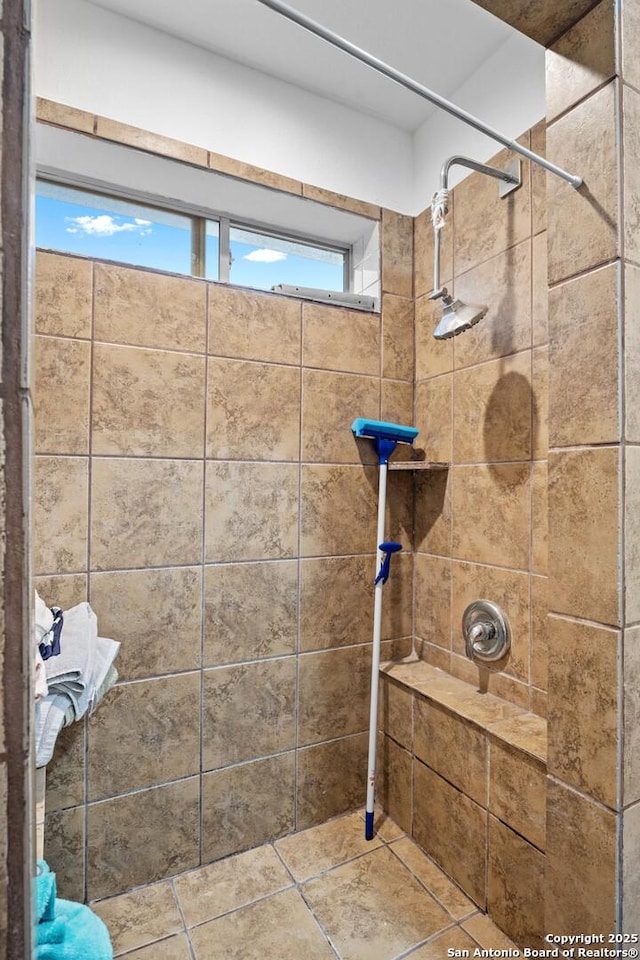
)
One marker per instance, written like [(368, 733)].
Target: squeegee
[(385, 437)]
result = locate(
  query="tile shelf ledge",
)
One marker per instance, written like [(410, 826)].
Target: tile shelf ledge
[(418, 465), (500, 719)]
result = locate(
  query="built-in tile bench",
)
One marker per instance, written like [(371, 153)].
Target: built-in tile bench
[(464, 773)]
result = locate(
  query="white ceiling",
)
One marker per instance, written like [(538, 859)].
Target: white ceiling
[(439, 43)]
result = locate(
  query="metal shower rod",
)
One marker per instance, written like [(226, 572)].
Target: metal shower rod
[(337, 41)]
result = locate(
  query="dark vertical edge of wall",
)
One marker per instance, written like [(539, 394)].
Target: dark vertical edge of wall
[(15, 207)]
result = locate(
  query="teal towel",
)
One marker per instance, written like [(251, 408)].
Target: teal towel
[(66, 930), (45, 892)]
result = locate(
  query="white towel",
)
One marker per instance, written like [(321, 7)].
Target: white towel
[(42, 623), (72, 671)]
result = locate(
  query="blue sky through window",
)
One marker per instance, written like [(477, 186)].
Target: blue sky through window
[(262, 261)]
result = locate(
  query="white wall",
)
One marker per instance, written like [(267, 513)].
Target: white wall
[(507, 92), (93, 59)]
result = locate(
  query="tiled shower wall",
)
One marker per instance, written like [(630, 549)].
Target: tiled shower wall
[(197, 480), (481, 404)]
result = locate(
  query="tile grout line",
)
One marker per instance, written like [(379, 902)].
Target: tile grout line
[(203, 584), (296, 692)]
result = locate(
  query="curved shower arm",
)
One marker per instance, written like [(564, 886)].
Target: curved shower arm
[(459, 161)]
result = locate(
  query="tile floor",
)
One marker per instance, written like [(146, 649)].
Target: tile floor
[(321, 894)]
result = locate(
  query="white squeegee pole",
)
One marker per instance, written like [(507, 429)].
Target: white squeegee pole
[(375, 658)]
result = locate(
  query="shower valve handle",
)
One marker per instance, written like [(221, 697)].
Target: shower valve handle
[(478, 637)]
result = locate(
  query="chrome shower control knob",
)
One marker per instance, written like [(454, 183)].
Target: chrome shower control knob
[(486, 632)]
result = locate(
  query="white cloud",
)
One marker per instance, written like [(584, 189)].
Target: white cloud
[(105, 226), (265, 256)]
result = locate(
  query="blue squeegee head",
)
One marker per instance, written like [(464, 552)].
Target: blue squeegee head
[(381, 430)]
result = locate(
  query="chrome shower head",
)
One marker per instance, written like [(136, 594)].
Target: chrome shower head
[(457, 317)]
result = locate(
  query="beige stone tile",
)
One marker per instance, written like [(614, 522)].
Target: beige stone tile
[(518, 791), (229, 884), (502, 686), (631, 278), (468, 701), (540, 511), (583, 743), (313, 851), (254, 326), (147, 403), (630, 876), (510, 591), (396, 712), (433, 356), (632, 533), (455, 749), (414, 674), (433, 519), (64, 840), (156, 616), (630, 26), (49, 111), (140, 917), (247, 171), (540, 400), (361, 207), (328, 404), (539, 642), (152, 142), (62, 371), (526, 732), (394, 782), (250, 511), (247, 805), (432, 654), (539, 702), (63, 295), (631, 144), (336, 601), (486, 225), (396, 406), (540, 291), (452, 829), (631, 712), (433, 600), (583, 377), (146, 309), (584, 531), (487, 934), (274, 928), (583, 223), (397, 253), (333, 693), (397, 337), (334, 338), (144, 733), (65, 774), (539, 182), (581, 60), (347, 899), (250, 611), (399, 511), (434, 417), (493, 404), (331, 779), (504, 285), (384, 827), (253, 411), (173, 948), (438, 949), (541, 22), (580, 871), (62, 591), (437, 883), (60, 514), (339, 508), (248, 711), (515, 886), (164, 497)]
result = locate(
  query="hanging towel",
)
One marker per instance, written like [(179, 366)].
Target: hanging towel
[(66, 930), (72, 671)]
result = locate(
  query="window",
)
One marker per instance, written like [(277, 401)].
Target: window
[(77, 221)]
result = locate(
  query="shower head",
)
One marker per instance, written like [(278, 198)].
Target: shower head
[(457, 317)]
